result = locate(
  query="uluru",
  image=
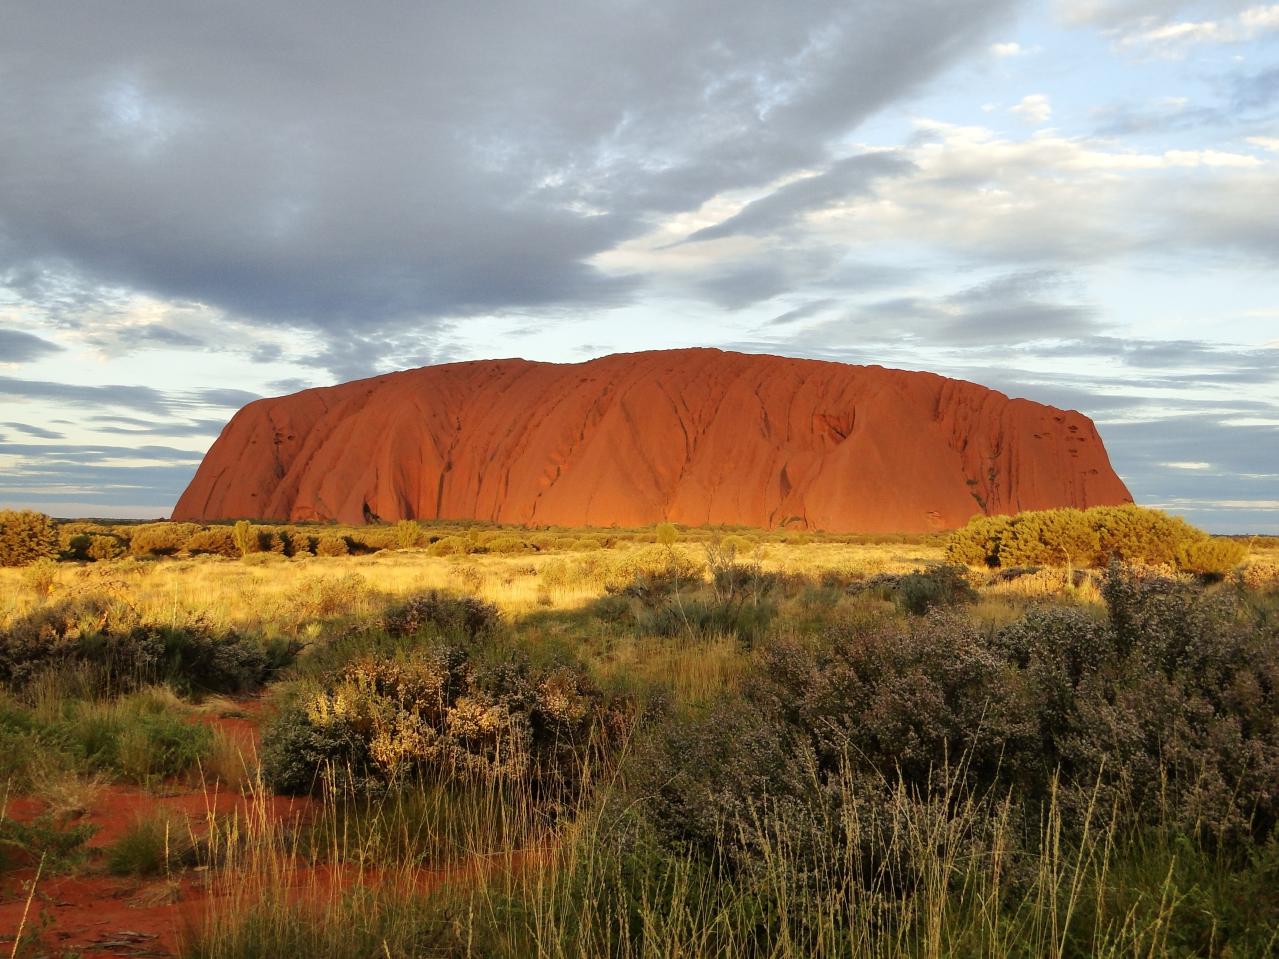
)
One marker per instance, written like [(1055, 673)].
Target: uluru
[(695, 436)]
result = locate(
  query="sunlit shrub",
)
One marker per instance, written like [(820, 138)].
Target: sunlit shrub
[(214, 541), (440, 714), (160, 539), (25, 537), (1091, 537), (331, 546), (1214, 556)]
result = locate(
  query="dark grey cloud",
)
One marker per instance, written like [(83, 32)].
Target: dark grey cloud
[(844, 179), (135, 426), (139, 398), (39, 432), (19, 347), (140, 337), (804, 312), (360, 171), (51, 454)]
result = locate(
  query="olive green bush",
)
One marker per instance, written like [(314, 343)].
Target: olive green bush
[(25, 537), (937, 586), (95, 635), (1166, 711), (214, 541), (160, 539), (1092, 537), (464, 619)]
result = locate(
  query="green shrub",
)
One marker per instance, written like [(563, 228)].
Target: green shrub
[(461, 618), (151, 846), (332, 546), (1166, 712), (408, 534), (105, 548), (160, 539), (937, 586), (25, 537), (94, 633), (245, 537), (506, 544), (297, 754), (1092, 537), (451, 546), (214, 541), (1213, 557), (40, 577)]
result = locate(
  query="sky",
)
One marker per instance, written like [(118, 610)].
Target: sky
[(1073, 201)]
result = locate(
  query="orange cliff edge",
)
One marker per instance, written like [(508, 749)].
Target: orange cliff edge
[(691, 436)]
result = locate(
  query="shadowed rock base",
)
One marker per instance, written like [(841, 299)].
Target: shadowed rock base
[(691, 436)]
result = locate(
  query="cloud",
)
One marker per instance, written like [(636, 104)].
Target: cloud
[(37, 431), (19, 347), (1033, 108), (848, 177), (432, 161), (1003, 51), (140, 398)]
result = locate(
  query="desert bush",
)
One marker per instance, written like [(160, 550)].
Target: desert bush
[(372, 539), (452, 546), (1091, 537), (40, 577), (246, 540), (272, 540), (464, 619), (152, 846), (332, 546), (93, 632), (105, 547), (25, 537), (1259, 575), (214, 541), (936, 586), (408, 534), (506, 544), (160, 539), (441, 713), (1166, 711), (1212, 557)]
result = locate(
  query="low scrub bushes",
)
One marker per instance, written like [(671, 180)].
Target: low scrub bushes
[(936, 587), (459, 618), (1092, 537), (160, 539), (25, 537), (1167, 711), (95, 633), (214, 541), (443, 712)]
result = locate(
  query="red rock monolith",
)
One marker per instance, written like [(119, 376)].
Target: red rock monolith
[(690, 436)]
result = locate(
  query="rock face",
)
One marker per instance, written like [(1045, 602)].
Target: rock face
[(691, 436)]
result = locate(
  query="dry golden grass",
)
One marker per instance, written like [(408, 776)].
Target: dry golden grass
[(274, 594)]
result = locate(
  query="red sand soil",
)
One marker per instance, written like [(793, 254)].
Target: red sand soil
[(89, 911), (103, 915), (689, 436)]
